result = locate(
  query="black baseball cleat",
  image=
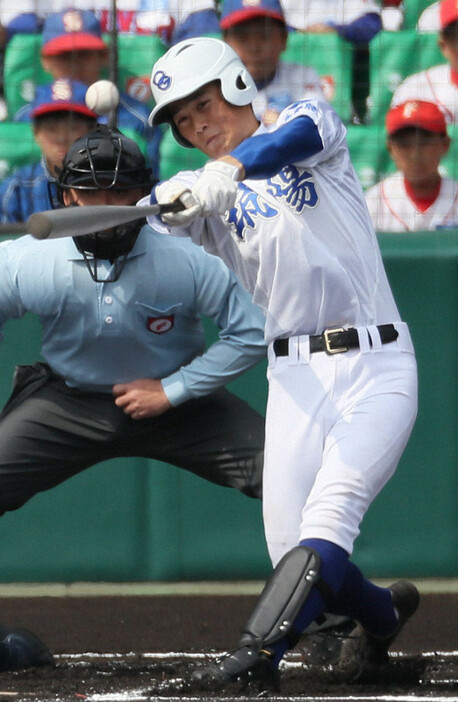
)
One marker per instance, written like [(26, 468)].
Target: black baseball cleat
[(245, 666), (20, 649), (406, 599), (362, 652)]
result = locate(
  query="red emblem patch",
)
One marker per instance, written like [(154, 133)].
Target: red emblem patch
[(160, 325)]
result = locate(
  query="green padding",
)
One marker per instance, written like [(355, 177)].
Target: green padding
[(136, 56), (17, 147), (412, 12), (139, 520), (331, 57), (449, 163), (174, 158), (368, 152), (393, 57), (412, 528), (23, 71)]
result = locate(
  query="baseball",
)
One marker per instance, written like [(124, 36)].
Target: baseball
[(102, 97)]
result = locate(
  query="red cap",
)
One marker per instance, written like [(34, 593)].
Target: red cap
[(416, 113), (448, 12)]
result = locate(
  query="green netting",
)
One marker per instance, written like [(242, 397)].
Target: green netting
[(17, 147), (23, 71), (331, 57), (393, 57)]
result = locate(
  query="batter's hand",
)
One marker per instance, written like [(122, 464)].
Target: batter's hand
[(216, 188), (171, 191), (141, 399)]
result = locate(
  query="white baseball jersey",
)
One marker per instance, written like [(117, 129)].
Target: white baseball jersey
[(292, 82), (433, 85), (392, 210), (301, 15), (288, 223)]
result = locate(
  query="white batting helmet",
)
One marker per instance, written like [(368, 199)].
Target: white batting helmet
[(191, 64)]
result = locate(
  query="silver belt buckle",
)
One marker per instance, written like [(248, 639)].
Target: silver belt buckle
[(327, 341)]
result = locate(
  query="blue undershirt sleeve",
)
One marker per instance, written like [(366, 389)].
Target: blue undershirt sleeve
[(265, 155), (361, 30)]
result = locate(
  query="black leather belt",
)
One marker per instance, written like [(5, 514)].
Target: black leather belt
[(337, 340)]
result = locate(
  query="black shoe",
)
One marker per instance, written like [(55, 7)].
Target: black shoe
[(363, 651), (244, 666), (406, 599), (20, 649)]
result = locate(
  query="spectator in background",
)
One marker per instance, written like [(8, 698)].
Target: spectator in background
[(257, 32), (429, 20), (416, 197), (59, 116), (73, 47), (172, 20), (357, 21), (438, 84)]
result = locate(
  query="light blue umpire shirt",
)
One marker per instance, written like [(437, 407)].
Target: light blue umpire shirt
[(145, 325)]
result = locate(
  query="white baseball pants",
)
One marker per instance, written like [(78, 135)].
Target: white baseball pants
[(336, 427)]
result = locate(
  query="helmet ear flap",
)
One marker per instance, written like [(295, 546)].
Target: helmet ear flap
[(237, 85)]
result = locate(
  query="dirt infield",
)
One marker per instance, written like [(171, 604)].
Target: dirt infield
[(141, 647)]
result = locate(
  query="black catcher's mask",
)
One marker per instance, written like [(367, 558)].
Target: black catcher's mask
[(105, 159)]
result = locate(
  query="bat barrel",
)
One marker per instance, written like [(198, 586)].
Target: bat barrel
[(76, 221), (39, 225)]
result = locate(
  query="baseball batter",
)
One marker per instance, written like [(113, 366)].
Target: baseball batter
[(284, 208)]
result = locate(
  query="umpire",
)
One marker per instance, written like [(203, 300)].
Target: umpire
[(126, 372)]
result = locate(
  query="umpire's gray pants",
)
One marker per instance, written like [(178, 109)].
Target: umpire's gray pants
[(56, 432)]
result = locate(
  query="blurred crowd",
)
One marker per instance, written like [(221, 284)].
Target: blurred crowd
[(77, 44)]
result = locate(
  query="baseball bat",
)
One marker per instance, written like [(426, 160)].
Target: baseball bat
[(76, 221), (13, 228)]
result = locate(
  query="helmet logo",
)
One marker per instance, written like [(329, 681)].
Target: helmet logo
[(161, 80), (160, 325)]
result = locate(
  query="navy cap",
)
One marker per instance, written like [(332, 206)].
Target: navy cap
[(73, 30), (234, 12), (61, 95)]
